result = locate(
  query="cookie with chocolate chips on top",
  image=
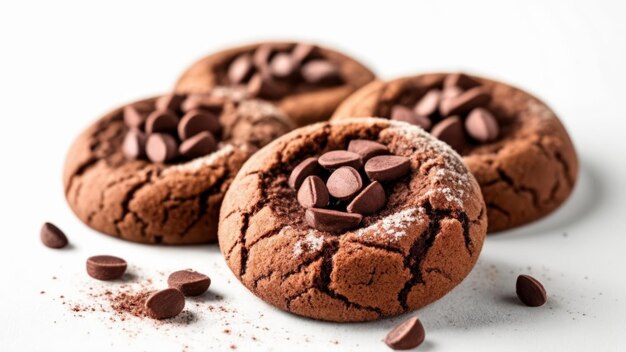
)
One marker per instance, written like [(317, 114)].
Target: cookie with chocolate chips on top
[(306, 81), (155, 171), (352, 220), (515, 146)]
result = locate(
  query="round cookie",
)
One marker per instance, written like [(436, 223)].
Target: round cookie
[(414, 250), (170, 203), (528, 167), (307, 82)]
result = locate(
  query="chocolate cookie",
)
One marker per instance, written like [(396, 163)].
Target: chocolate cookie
[(354, 254), (155, 171), (306, 81), (515, 146)]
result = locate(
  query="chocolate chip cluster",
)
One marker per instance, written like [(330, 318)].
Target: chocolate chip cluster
[(174, 127), (272, 72), (454, 113), (341, 186)]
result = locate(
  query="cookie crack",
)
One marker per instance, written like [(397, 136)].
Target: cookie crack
[(322, 282), (128, 197), (519, 188)]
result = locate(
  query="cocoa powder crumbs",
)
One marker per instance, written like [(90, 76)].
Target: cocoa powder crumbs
[(131, 303)]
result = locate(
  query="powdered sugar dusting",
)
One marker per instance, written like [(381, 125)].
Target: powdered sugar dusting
[(311, 243), (396, 224), (199, 163)]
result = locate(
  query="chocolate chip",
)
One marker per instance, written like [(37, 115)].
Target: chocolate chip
[(161, 122), (161, 147), (481, 125), (369, 201), (387, 167), (240, 69), (331, 220), (266, 87), (530, 291), (344, 183), (313, 193), (338, 158), (450, 131), (189, 282), (468, 100), (460, 80), (203, 102), (306, 168), (301, 52), (402, 113), (320, 72), (106, 267), (52, 236), (135, 115), (169, 102), (367, 149), (196, 121), (165, 304), (134, 144), (282, 65), (429, 103), (199, 145), (407, 335), (262, 56)]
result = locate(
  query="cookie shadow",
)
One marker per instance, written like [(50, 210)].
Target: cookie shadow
[(586, 200)]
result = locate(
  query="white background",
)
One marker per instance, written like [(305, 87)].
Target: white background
[(62, 64)]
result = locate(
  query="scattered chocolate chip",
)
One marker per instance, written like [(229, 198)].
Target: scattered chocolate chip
[(282, 65), (320, 72), (134, 144), (429, 103), (169, 102), (240, 69), (52, 236), (199, 145), (135, 115), (450, 131), (344, 183), (313, 193), (468, 100), (165, 304), (161, 121), (369, 201), (189, 282), (481, 125), (402, 113), (367, 149), (301, 52), (106, 267), (308, 167), (161, 148), (459, 80), (331, 220), (407, 335), (530, 291), (196, 121), (387, 167), (338, 158)]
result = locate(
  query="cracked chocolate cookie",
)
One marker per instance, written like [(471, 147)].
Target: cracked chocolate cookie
[(155, 171), (306, 81), (516, 147), (365, 254)]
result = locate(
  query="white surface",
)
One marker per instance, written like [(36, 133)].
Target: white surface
[(63, 64)]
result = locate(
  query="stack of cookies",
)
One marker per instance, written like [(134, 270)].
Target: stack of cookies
[(365, 216)]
